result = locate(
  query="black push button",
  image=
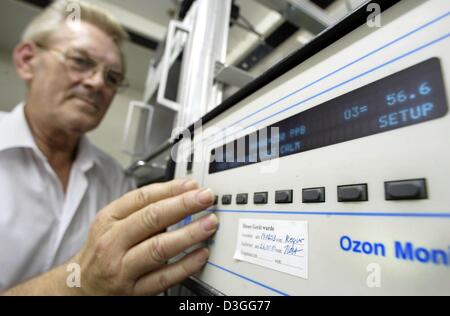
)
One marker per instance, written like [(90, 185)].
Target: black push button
[(261, 198), (242, 199), (283, 197), (406, 190), (226, 199), (316, 195), (353, 193), (216, 200)]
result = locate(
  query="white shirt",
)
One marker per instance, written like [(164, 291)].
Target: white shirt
[(40, 226)]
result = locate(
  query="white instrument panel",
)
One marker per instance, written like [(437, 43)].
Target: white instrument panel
[(379, 245)]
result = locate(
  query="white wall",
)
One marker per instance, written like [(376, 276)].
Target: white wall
[(12, 89), (108, 136)]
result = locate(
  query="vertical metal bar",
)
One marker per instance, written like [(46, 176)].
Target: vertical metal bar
[(207, 45)]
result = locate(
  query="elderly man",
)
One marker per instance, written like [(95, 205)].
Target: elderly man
[(53, 181)]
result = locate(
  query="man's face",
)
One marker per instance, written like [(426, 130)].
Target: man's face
[(70, 100)]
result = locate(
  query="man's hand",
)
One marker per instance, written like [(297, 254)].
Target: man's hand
[(126, 252), (127, 248)]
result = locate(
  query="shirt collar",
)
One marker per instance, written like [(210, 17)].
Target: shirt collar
[(86, 157), (14, 130), (15, 133)]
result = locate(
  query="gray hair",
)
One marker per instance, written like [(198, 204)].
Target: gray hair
[(53, 17)]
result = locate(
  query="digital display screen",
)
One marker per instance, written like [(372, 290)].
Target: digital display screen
[(411, 96)]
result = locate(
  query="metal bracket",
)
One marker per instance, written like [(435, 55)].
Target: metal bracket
[(232, 75), (302, 13)]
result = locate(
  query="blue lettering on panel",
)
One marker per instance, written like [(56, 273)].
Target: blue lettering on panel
[(405, 116), (356, 246), (408, 252), (404, 251)]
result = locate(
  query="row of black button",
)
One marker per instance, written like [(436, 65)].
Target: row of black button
[(394, 191)]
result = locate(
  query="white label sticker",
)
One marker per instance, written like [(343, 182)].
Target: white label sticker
[(278, 245)]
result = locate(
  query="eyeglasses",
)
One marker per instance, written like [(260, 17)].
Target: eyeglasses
[(79, 62)]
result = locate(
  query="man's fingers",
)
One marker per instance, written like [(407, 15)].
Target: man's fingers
[(158, 216), (172, 274), (138, 199), (153, 253)]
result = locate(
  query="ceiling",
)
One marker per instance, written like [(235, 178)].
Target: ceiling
[(15, 15), (160, 12), (147, 18)]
